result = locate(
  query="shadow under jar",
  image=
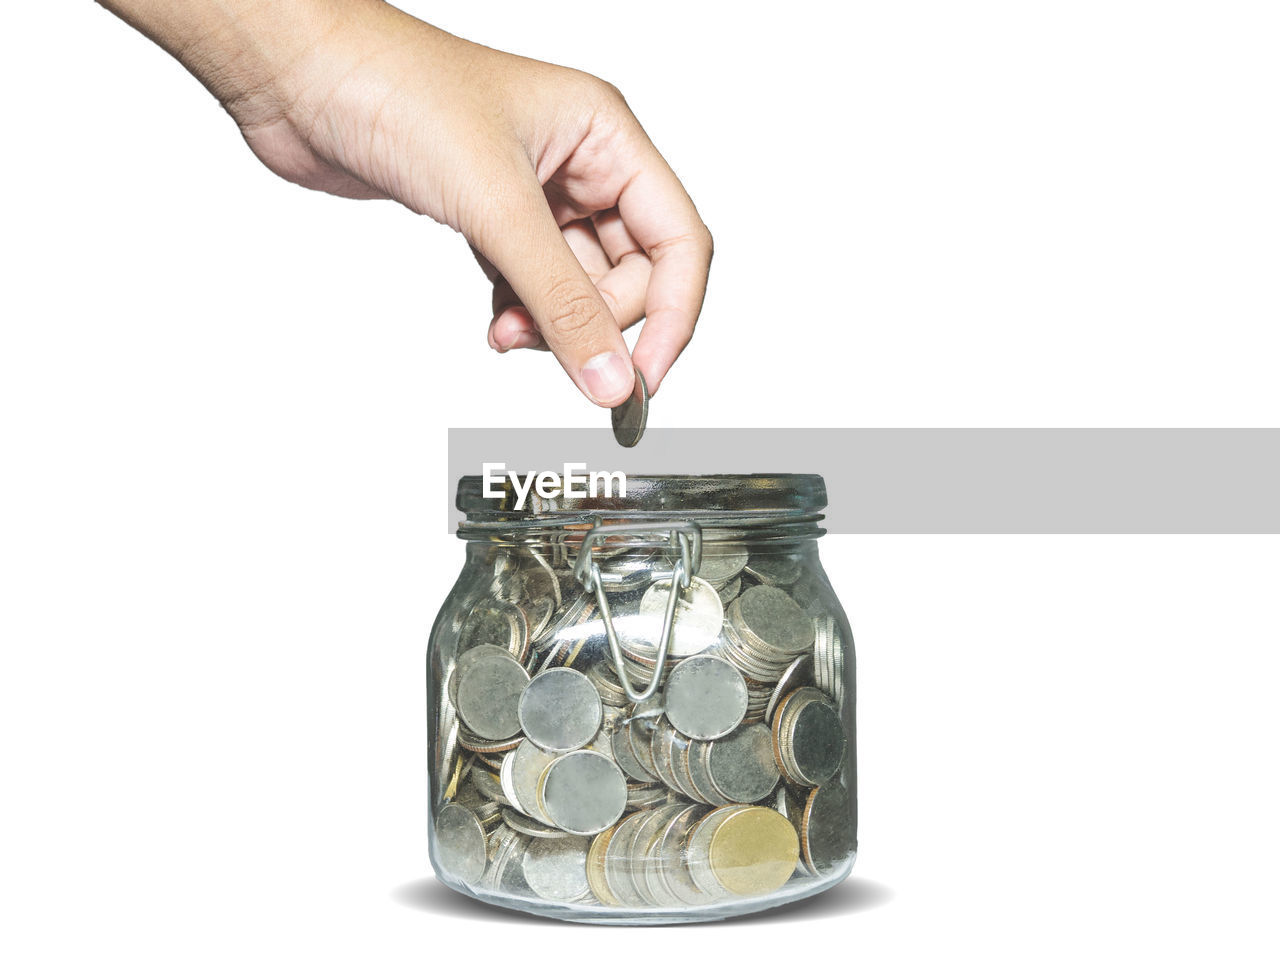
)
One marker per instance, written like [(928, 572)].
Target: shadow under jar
[(641, 708)]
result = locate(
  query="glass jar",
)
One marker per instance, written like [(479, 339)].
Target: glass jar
[(641, 707)]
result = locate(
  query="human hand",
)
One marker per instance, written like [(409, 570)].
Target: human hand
[(573, 214)]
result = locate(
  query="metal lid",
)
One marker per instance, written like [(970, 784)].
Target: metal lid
[(792, 495)]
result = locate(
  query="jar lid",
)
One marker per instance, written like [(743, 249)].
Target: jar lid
[(682, 494)]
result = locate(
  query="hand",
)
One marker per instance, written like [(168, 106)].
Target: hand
[(572, 212)]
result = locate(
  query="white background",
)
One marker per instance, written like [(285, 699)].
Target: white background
[(224, 403)]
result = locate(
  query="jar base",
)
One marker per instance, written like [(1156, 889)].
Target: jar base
[(799, 889)]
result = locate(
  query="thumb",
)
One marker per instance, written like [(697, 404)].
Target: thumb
[(526, 246)]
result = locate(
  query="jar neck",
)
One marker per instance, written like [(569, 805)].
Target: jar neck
[(641, 529)]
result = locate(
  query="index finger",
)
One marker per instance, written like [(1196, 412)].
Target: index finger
[(663, 220)]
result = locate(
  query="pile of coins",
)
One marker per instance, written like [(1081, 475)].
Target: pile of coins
[(725, 784)]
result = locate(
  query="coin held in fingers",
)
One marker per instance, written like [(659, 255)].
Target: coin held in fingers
[(629, 417)]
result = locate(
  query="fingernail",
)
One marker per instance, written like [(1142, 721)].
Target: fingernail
[(608, 377), (523, 338)]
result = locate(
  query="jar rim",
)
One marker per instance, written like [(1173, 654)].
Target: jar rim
[(740, 496)]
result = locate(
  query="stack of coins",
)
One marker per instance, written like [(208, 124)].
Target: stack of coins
[(556, 787), (642, 861), (768, 630), (828, 657), (601, 674), (808, 741)]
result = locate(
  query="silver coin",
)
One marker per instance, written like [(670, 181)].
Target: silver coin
[(637, 843), (539, 579), (798, 674), (488, 784), (769, 617), (698, 617), (538, 612), (826, 827), (499, 624), (720, 565), (488, 696), (602, 743), (640, 674), (447, 730), (465, 659), (625, 756), (617, 859), (582, 792), (489, 813), (821, 640), (467, 795), (484, 747), (734, 648), (460, 843), (528, 761), (556, 868), (674, 878), (757, 700), (698, 850), (606, 682), (567, 617), (837, 687), (741, 764), (639, 728), (729, 591), (782, 803), (630, 416), (631, 572), (641, 796), (811, 593), (705, 788), (706, 697), (570, 638), (662, 748), (560, 710), (507, 585), (678, 752), (505, 779), (777, 570), (655, 885), (643, 845), (505, 850), (528, 826)]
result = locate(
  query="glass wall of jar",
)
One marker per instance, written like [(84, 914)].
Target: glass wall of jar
[(641, 708)]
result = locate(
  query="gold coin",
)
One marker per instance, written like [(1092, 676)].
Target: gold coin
[(754, 852)]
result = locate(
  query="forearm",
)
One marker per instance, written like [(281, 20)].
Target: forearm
[(236, 48)]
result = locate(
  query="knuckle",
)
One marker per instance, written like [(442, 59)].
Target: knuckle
[(610, 93), (707, 242), (601, 94), (572, 310)]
